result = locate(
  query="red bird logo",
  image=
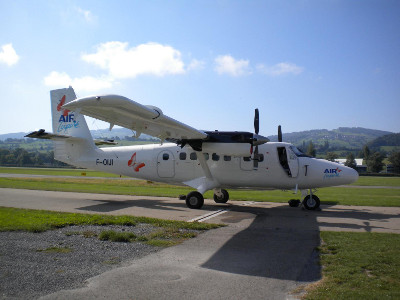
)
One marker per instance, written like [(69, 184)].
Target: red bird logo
[(60, 104), (135, 165)]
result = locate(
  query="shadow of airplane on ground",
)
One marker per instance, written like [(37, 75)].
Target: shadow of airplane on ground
[(270, 248), (281, 242), (105, 205)]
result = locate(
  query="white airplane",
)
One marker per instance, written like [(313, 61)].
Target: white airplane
[(203, 160)]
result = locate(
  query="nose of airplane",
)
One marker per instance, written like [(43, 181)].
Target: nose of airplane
[(349, 175)]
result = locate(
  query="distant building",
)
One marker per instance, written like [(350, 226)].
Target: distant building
[(359, 164)]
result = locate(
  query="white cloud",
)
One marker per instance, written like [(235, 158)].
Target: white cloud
[(280, 69), (196, 65), (87, 15), (229, 65), (8, 55), (86, 83), (123, 62)]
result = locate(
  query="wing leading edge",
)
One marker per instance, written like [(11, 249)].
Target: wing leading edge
[(121, 111)]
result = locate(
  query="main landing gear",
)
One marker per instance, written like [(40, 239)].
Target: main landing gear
[(195, 200)]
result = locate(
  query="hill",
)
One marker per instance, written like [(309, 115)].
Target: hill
[(388, 143), (343, 138)]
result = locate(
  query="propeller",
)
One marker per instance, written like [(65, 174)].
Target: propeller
[(279, 133), (256, 130)]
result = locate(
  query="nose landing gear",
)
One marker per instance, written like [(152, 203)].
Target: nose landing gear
[(311, 202)]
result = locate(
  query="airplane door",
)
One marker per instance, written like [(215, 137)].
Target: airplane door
[(166, 164), (293, 162)]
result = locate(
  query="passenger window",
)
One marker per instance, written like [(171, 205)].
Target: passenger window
[(215, 157), (165, 156), (248, 158), (193, 156), (182, 156), (206, 156), (227, 158), (260, 157)]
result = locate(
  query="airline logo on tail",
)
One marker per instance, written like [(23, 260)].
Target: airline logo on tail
[(67, 119)]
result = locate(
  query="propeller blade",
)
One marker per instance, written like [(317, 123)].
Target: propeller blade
[(256, 121), (279, 133)]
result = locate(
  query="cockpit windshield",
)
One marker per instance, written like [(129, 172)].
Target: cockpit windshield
[(298, 152)]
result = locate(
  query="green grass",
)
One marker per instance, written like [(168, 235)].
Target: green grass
[(164, 237), (358, 266), (15, 219), (335, 195), (363, 180), (377, 181), (56, 250), (55, 172)]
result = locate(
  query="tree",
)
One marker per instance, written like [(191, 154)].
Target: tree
[(366, 152), (311, 149), (350, 161), (375, 162), (394, 159), (331, 156)]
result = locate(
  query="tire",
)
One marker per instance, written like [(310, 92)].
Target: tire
[(311, 203), (294, 202), (194, 200), (223, 199)]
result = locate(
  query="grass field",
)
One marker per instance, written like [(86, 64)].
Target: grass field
[(169, 233), (335, 195), (362, 181), (56, 172), (358, 266)]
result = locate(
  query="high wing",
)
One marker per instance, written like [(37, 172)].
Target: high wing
[(119, 110)]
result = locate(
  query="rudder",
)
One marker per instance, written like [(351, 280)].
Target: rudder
[(72, 124)]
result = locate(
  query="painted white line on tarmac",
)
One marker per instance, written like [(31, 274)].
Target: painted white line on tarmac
[(209, 215), (248, 203)]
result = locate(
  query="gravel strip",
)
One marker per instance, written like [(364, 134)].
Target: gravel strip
[(28, 269)]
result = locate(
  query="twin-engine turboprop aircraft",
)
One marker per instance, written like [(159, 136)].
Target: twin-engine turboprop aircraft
[(203, 160)]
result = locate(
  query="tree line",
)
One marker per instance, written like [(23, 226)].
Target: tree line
[(373, 159), (19, 157)]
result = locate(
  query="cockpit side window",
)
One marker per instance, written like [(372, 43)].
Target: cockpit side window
[(298, 152)]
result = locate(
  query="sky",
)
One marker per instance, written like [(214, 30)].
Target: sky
[(304, 64)]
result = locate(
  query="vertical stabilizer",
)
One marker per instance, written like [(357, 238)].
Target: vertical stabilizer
[(72, 124), (67, 122)]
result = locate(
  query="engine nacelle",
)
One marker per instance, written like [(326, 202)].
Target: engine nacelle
[(232, 149)]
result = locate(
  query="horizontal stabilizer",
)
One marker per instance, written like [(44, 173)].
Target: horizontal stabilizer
[(42, 134), (105, 142)]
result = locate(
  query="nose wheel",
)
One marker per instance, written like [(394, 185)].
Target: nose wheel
[(311, 202)]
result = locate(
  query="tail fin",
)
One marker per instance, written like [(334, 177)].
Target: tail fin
[(71, 124), (66, 122)]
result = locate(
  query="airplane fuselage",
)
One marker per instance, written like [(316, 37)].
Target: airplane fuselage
[(278, 168)]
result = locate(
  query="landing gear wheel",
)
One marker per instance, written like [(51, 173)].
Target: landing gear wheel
[(222, 199), (311, 203), (294, 202), (194, 200)]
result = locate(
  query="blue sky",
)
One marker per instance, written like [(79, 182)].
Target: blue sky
[(305, 64)]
